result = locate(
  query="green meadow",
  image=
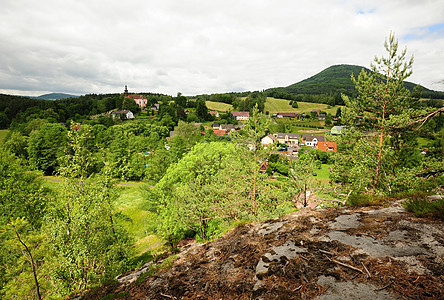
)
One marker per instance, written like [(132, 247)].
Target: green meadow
[(219, 106), (3, 134), (130, 212), (273, 105)]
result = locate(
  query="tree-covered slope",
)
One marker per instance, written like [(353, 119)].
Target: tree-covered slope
[(55, 96), (336, 79)]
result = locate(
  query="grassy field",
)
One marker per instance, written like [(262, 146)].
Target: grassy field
[(274, 105), (133, 216), (3, 134), (219, 106), (131, 204)]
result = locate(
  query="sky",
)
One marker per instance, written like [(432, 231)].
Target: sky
[(202, 46)]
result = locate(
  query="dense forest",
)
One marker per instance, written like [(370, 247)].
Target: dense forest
[(328, 85), (196, 184)]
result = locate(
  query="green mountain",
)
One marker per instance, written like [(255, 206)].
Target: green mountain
[(333, 80), (55, 96)]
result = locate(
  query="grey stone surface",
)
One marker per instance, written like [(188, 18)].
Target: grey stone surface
[(338, 290), (346, 222), (374, 247), (270, 228)]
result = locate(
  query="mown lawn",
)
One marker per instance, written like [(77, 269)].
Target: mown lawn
[(219, 106), (3, 134), (323, 174)]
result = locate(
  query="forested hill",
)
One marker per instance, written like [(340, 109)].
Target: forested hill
[(55, 96), (337, 79)]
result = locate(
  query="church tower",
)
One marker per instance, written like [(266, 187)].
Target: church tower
[(125, 93)]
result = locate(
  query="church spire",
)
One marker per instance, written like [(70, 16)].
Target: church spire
[(125, 93)]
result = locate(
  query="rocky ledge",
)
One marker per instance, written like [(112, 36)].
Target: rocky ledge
[(335, 253)]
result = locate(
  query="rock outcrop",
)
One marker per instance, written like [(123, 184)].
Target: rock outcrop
[(335, 253)]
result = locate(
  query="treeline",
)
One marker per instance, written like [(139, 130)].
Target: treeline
[(22, 108)]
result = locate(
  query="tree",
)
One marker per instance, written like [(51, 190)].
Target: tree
[(384, 108), (192, 194), (23, 205), (251, 134), (86, 243), (202, 109), (46, 146), (302, 172)]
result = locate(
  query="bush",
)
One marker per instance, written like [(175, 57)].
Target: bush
[(423, 207), (356, 199)]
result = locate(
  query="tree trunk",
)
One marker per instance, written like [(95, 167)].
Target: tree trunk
[(31, 260), (254, 182)]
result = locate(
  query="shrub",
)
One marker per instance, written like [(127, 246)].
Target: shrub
[(425, 207), (357, 199)]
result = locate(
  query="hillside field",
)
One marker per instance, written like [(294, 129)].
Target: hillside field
[(274, 105), (219, 106)]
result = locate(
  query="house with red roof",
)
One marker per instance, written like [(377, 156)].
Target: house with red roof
[(327, 146), (139, 99)]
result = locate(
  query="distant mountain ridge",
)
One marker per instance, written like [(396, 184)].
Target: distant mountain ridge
[(55, 96), (333, 80)]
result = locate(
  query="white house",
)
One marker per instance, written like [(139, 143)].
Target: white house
[(312, 140), (268, 140), (241, 115), (117, 114)]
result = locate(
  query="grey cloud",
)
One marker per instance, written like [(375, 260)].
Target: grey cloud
[(200, 46)]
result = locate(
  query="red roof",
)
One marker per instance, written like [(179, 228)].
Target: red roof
[(288, 115), (220, 132), (240, 113), (135, 97), (327, 146)]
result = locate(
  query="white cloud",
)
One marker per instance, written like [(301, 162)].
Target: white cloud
[(197, 46)]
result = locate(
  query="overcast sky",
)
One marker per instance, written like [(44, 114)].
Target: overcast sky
[(205, 46)]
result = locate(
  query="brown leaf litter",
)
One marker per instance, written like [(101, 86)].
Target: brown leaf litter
[(364, 253)]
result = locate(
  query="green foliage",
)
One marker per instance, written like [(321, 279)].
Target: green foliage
[(86, 243), (362, 199), (380, 152), (17, 144), (46, 146), (188, 196), (423, 207), (23, 205), (254, 99)]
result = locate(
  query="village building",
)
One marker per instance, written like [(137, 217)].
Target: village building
[(127, 114), (287, 115), (155, 106), (219, 132), (214, 113), (227, 127), (327, 146), (337, 130), (317, 111), (139, 99), (312, 140), (263, 167), (269, 139), (241, 115), (287, 138)]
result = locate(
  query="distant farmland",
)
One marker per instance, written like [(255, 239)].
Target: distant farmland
[(273, 106), (219, 106)]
